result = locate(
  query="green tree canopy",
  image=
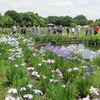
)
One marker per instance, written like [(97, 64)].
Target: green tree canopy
[(8, 21), (30, 18), (81, 20), (67, 20), (14, 15)]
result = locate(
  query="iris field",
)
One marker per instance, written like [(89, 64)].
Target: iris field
[(49, 73)]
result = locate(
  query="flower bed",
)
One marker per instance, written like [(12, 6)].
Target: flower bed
[(53, 74)]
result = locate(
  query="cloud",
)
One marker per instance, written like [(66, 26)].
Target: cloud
[(61, 3), (82, 2), (72, 8)]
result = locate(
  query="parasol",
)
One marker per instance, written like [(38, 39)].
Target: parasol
[(50, 24), (79, 26)]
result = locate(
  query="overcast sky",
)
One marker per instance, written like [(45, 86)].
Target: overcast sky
[(44, 8)]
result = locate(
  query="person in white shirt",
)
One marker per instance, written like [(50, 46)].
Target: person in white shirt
[(14, 29), (73, 31), (38, 29), (78, 31)]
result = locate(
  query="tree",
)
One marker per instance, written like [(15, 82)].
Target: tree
[(97, 22), (58, 21), (81, 20), (8, 21), (61, 20), (90, 23), (42, 22), (52, 19), (67, 20), (73, 25), (14, 15)]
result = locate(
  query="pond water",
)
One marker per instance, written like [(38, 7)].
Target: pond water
[(89, 51)]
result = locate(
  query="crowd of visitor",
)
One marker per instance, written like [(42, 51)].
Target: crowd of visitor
[(57, 30)]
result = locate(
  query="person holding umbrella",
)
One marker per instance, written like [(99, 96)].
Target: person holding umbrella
[(96, 29)]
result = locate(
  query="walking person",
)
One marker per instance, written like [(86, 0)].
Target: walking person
[(78, 31), (49, 29), (73, 31), (38, 29), (24, 30), (54, 30), (96, 29), (67, 30), (60, 31), (14, 30), (86, 33), (90, 31), (33, 29)]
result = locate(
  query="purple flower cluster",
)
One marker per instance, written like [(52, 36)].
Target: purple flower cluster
[(35, 34), (57, 50), (88, 70), (63, 52)]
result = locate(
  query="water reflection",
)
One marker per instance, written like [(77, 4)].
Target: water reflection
[(88, 51)]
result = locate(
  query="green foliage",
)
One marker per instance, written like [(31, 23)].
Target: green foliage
[(57, 92), (61, 20), (15, 73), (20, 82), (90, 23), (76, 85), (73, 25), (93, 40), (97, 60), (8, 21), (70, 91), (27, 18), (81, 20), (83, 85), (97, 22), (54, 38), (30, 18), (14, 15)]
